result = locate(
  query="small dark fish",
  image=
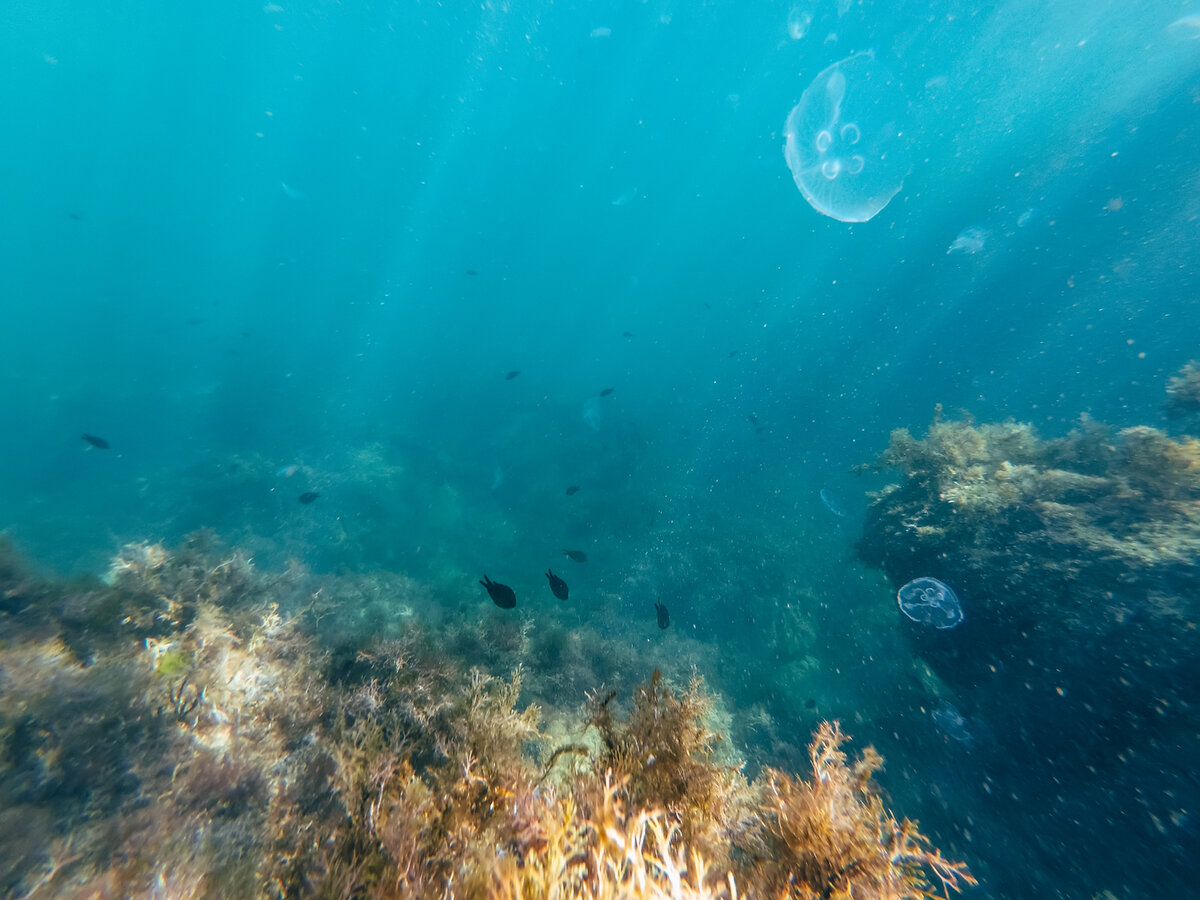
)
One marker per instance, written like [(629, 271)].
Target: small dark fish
[(309, 496), (193, 322), (572, 489), (472, 272), (664, 617), (75, 216), (733, 353), (558, 587), (606, 392), (810, 703), (513, 374), (753, 418), (502, 595), (576, 555), (627, 334), (98, 442)]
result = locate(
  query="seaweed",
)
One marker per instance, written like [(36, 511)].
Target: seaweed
[(236, 752), (1183, 391)]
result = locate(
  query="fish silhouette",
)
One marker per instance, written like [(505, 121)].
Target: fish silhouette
[(558, 587), (513, 374), (502, 595), (572, 489), (98, 442), (664, 617), (308, 497), (607, 392), (576, 555)]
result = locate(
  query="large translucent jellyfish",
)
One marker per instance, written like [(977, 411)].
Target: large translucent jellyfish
[(844, 141), (930, 602)]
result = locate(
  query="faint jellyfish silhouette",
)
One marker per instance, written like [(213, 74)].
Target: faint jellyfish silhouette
[(833, 503), (969, 241), (950, 721), (1186, 28), (593, 415), (928, 601), (844, 142), (798, 21)]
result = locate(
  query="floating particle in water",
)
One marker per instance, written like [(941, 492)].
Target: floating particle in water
[(287, 471), (930, 602), (950, 721), (969, 241), (1026, 217), (833, 503), (602, 31), (844, 140)]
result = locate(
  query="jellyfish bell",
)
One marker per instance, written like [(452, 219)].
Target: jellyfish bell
[(844, 143), (928, 601)]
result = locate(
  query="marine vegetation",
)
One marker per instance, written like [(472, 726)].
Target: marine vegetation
[(182, 729), (1183, 391)]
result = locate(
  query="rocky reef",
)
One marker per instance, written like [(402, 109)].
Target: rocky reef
[(1076, 562), (189, 726)]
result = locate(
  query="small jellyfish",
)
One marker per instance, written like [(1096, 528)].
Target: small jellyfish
[(799, 19), (844, 141), (593, 415), (1186, 28), (969, 241), (950, 721), (928, 601), (833, 503)]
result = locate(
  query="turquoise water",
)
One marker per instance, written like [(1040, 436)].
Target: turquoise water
[(242, 238)]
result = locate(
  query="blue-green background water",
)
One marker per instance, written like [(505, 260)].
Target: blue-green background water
[(239, 238)]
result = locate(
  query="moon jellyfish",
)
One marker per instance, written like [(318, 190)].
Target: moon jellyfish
[(969, 241), (928, 601), (844, 142), (798, 21), (833, 503), (950, 721), (1187, 28), (592, 414)]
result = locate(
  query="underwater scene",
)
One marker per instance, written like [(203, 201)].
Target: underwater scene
[(632, 448)]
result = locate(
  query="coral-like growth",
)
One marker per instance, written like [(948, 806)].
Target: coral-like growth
[(1183, 391)]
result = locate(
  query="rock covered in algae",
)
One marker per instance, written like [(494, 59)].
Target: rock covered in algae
[(1078, 553), (1183, 391)]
